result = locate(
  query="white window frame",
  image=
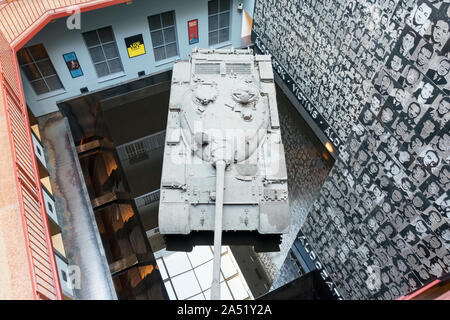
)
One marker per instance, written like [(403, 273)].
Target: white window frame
[(228, 41), (110, 74), (35, 62), (164, 45)]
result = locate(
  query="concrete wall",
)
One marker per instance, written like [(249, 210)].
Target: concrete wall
[(126, 20), (381, 225)]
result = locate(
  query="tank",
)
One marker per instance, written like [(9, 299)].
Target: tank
[(224, 158)]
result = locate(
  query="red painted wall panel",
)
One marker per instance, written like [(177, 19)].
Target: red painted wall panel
[(41, 258), (19, 21)]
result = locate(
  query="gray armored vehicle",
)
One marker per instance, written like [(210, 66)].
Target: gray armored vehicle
[(224, 166)]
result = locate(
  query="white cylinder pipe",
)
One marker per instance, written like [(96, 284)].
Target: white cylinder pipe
[(220, 178)]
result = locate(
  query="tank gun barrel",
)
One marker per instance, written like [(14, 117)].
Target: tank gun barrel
[(220, 178)]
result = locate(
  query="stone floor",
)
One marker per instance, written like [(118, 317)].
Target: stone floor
[(307, 170)]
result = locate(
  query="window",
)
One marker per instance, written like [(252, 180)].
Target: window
[(103, 50), (218, 21), (64, 276), (163, 32), (135, 150), (38, 69)]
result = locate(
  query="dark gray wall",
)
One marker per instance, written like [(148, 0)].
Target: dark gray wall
[(381, 224)]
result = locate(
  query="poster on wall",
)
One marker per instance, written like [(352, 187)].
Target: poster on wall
[(73, 65), (193, 31), (135, 45)]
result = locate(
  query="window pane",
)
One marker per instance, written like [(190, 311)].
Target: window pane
[(171, 50), (91, 38), (110, 50), (46, 68), (23, 56), (224, 5), (169, 35), (224, 35), (213, 6), (213, 23), (105, 56), (54, 83), (160, 54), (213, 38), (102, 69), (31, 72), (106, 34), (157, 38), (38, 52), (155, 22), (97, 54), (39, 86), (224, 20), (115, 65), (167, 19), (161, 38)]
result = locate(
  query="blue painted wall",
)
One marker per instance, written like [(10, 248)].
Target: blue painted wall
[(249, 6), (126, 20)]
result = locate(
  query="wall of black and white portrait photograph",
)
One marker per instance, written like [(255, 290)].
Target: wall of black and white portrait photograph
[(378, 73)]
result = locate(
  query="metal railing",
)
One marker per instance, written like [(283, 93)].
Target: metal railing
[(147, 198), (136, 148)]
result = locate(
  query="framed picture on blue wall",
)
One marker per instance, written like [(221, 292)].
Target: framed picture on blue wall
[(193, 31), (135, 45), (73, 65)]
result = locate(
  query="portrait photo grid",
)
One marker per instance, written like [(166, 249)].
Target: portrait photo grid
[(378, 72)]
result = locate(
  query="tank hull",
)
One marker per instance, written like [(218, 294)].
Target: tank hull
[(223, 108)]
